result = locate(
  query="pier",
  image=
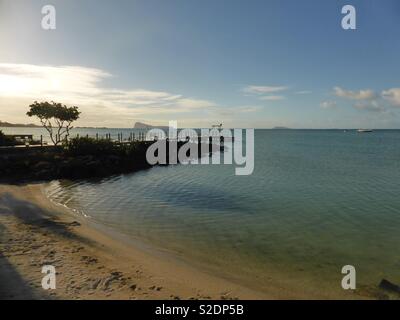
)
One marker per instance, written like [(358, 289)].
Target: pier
[(43, 140)]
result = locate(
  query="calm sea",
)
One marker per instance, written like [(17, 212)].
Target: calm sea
[(317, 200)]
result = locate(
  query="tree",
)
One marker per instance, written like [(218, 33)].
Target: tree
[(55, 118)]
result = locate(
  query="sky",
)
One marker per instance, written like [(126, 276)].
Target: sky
[(247, 64)]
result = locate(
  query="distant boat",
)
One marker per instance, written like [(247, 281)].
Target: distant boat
[(219, 126), (364, 130)]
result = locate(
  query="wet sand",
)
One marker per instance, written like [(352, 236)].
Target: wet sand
[(90, 264)]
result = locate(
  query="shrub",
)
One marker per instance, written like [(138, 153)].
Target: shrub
[(6, 141), (89, 146), (84, 146)]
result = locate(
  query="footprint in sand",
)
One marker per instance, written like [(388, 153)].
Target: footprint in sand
[(89, 260), (155, 288), (74, 224)]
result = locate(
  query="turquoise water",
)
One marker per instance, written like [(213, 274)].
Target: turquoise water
[(317, 200)]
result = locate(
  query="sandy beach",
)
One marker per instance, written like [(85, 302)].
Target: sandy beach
[(89, 264)]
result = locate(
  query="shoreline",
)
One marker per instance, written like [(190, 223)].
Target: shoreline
[(89, 263), (95, 262)]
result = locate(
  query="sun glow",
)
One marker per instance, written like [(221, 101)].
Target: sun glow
[(12, 86)]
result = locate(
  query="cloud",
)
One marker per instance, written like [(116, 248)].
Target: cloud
[(328, 104), (229, 113), (304, 92), (21, 84), (264, 89), (265, 92), (369, 100), (272, 98), (355, 95), (23, 80), (81, 85), (194, 103), (246, 109), (372, 106), (139, 97), (393, 96)]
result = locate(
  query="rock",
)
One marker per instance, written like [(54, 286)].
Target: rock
[(389, 286)]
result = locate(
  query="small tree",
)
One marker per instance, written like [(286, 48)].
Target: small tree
[(55, 118)]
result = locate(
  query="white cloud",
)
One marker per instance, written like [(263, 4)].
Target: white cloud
[(369, 100), (246, 109), (194, 103), (372, 106), (23, 80), (139, 97), (21, 84), (304, 92), (328, 104), (355, 95), (264, 89), (81, 85), (265, 93), (272, 98), (393, 96)]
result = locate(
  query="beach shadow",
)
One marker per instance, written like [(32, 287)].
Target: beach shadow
[(37, 217), (12, 285)]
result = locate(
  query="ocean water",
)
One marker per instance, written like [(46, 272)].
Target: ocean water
[(318, 200)]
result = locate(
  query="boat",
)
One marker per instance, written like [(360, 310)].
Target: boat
[(364, 130), (219, 126)]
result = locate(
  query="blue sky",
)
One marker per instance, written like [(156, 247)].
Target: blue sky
[(245, 63)]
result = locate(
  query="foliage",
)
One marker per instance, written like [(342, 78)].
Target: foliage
[(89, 146), (6, 141), (92, 147), (55, 118)]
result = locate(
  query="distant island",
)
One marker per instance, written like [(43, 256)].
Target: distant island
[(141, 125), (280, 128), (18, 125)]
